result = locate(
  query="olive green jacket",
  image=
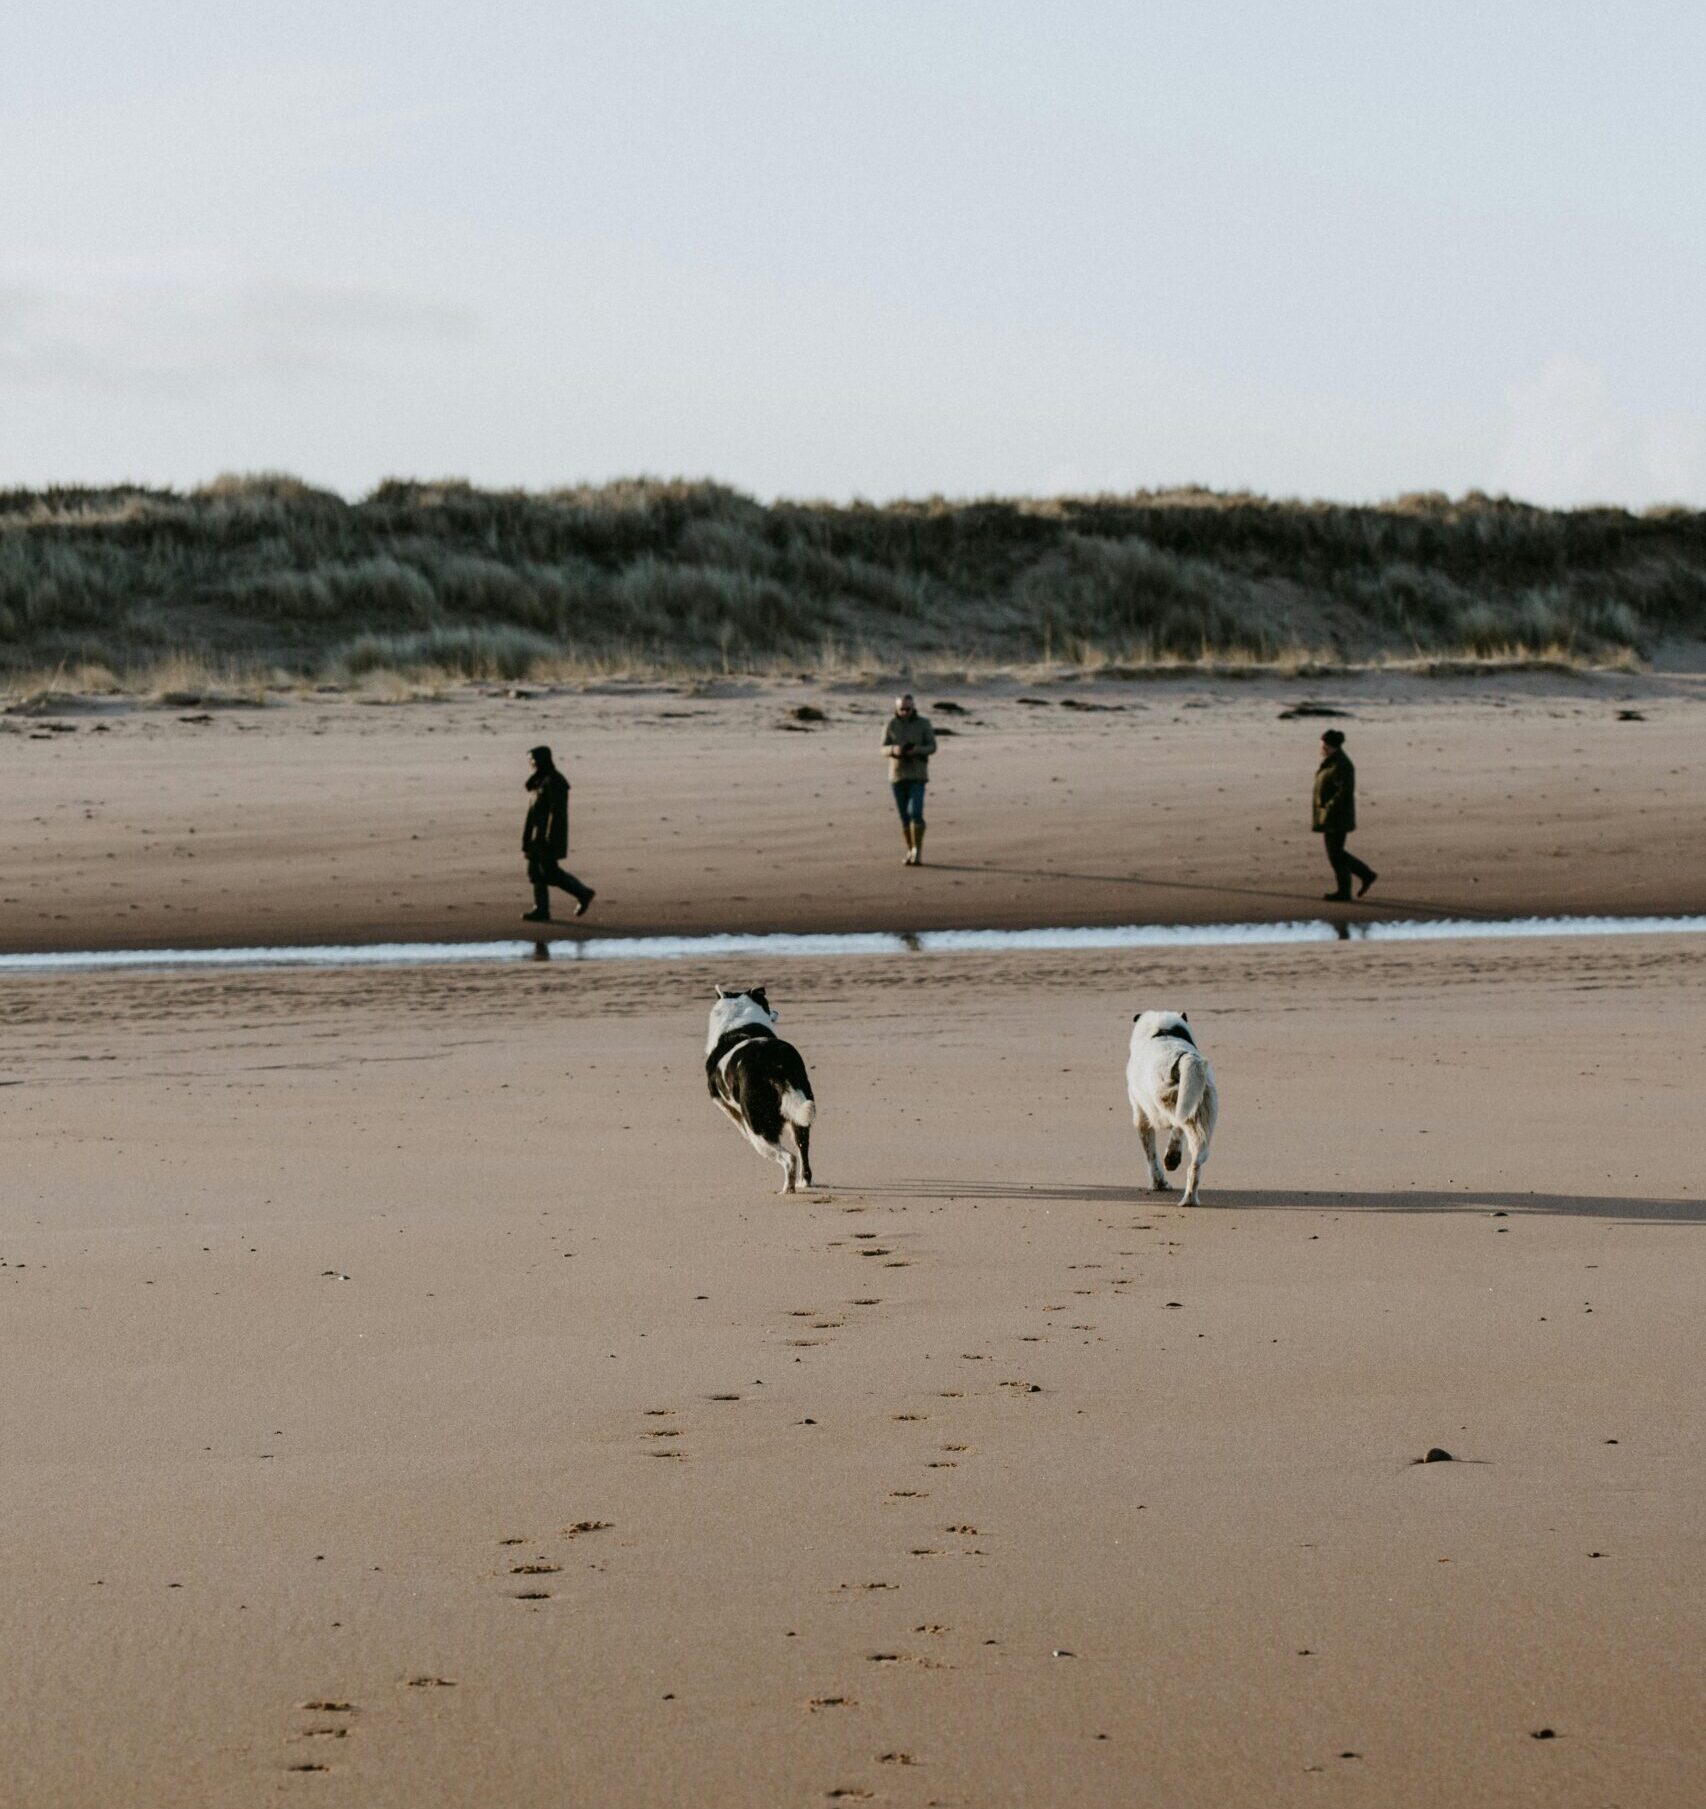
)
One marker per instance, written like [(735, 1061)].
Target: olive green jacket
[(909, 742), (1335, 795)]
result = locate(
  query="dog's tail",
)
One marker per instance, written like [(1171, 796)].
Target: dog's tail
[(1193, 1083), (798, 1107)]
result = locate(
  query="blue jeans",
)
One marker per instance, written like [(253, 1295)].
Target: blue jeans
[(909, 799)]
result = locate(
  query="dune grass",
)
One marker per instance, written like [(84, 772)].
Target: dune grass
[(262, 576)]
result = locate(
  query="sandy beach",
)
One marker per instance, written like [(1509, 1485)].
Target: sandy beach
[(703, 808), (418, 1395)]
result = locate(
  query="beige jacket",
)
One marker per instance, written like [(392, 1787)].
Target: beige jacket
[(909, 742)]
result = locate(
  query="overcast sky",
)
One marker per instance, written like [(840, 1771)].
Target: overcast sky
[(859, 247)]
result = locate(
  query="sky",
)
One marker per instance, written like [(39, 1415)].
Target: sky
[(859, 248)]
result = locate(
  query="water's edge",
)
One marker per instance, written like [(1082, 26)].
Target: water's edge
[(818, 946)]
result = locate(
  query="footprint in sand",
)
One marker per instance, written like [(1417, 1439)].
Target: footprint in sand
[(533, 1595), (535, 1570), (430, 1683), (576, 1528)]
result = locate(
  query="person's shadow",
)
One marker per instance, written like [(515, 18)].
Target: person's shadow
[(1145, 881), (1283, 1199)]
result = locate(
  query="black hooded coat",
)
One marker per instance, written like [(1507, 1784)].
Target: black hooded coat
[(546, 831)]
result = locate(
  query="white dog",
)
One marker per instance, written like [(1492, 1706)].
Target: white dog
[(761, 1082), (1172, 1091)]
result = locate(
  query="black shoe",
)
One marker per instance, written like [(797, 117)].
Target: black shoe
[(1366, 884), (582, 903), (535, 916), (1336, 897)]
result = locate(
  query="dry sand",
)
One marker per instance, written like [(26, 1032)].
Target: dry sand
[(328, 820), (336, 1302), (417, 1396)]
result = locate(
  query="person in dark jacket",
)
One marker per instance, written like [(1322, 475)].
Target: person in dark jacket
[(1335, 816), (545, 840)]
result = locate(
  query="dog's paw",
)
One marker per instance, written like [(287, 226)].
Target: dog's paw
[(1172, 1159), (1160, 1184)]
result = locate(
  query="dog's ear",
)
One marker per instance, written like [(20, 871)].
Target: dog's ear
[(721, 994), (1135, 1016), (1184, 1017), (758, 993)]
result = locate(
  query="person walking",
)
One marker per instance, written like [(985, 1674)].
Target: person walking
[(909, 741), (1335, 816), (545, 840)]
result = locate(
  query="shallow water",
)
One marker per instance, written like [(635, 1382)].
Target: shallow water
[(923, 942)]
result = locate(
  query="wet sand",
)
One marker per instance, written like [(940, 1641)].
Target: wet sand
[(331, 820), (416, 1394)]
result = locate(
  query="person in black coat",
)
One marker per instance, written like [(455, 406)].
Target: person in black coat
[(545, 840), (1334, 816)]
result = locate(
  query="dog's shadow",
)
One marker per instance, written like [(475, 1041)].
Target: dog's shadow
[(1280, 1199)]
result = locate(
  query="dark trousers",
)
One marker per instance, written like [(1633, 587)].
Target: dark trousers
[(909, 799), (1346, 866), (543, 872)]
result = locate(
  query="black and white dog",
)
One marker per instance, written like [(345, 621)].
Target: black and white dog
[(761, 1082)]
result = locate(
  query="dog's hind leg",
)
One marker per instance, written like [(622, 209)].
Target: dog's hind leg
[(1146, 1136), (803, 1141), (1199, 1159), (789, 1162)]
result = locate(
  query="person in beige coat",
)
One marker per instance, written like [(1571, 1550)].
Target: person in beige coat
[(909, 741)]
